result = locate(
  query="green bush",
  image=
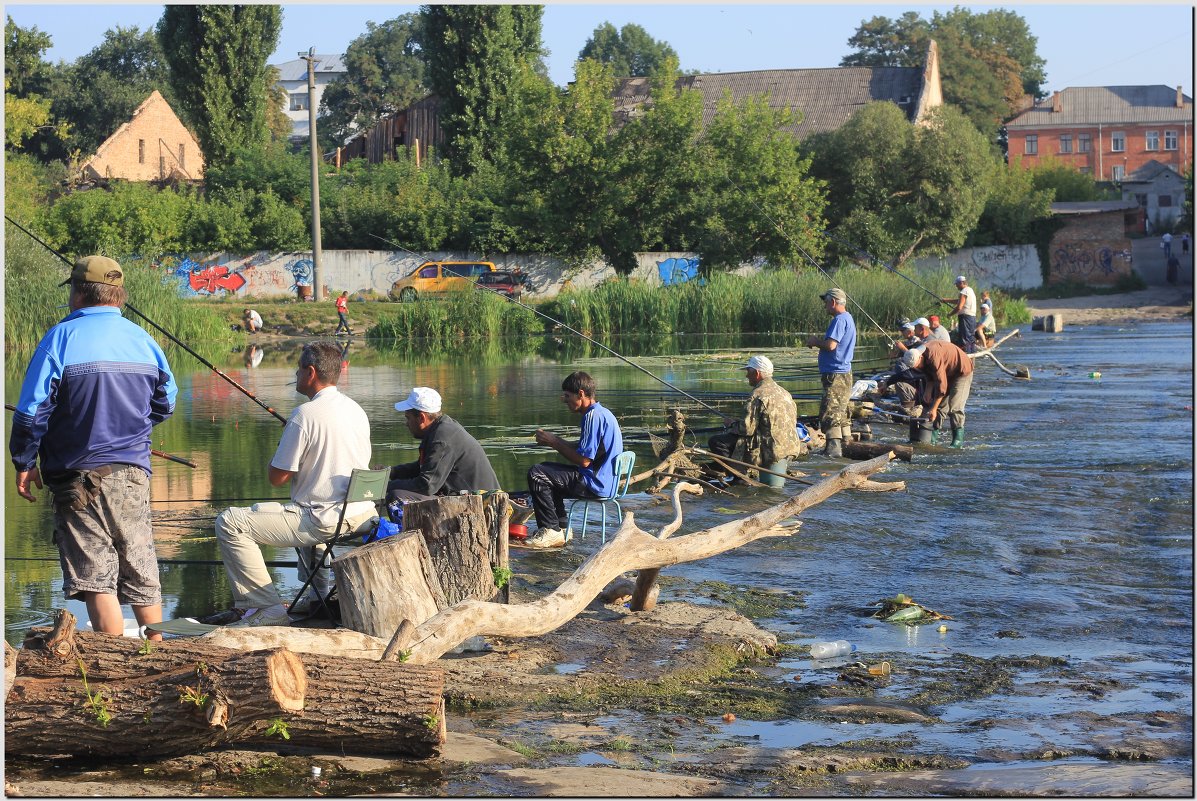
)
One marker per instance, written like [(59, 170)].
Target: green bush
[(458, 316)]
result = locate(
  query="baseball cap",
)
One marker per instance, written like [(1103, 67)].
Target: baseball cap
[(422, 399), (960, 279), (986, 304), (836, 294), (909, 357), (907, 325), (761, 364), (923, 321), (97, 270)]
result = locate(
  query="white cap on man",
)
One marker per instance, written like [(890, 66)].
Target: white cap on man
[(960, 279), (910, 357), (422, 399), (923, 321), (761, 364)]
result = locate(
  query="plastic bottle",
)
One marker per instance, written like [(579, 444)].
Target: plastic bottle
[(830, 650)]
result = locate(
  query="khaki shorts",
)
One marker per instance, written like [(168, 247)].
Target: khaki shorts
[(108, 547)]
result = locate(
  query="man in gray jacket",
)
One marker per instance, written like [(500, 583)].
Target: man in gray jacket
[(450, 459)]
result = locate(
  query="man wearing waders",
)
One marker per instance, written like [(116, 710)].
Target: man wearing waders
[(949, 379), (835, 370), (966, 311)]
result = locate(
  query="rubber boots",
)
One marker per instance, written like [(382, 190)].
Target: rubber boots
[(834, 449), (935, 436), (957, 437)]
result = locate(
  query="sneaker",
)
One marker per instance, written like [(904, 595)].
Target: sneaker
[(267, 616), (304, 607), (546, 538), (222, 618)]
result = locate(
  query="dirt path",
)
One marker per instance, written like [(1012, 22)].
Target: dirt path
[(1153, 303)]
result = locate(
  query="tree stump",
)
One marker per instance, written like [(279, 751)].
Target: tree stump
[(455, 530), (497, 508), (386, 582)]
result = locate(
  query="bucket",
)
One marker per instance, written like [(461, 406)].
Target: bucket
[(304, 292), (776, 482), (517, 531), (920, 434)]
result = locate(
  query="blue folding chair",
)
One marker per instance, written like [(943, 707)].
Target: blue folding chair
[(624, 464)]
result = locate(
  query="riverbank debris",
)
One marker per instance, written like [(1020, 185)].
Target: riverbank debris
[(903, 609)]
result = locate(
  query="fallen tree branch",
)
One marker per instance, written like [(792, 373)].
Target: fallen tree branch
[(630, 549), (643, 598)]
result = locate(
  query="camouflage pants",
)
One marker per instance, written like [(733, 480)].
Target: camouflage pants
[(833, 410), (108, 547)]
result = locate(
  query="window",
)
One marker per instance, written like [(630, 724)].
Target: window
[(1083, 170), (162, 166), (141, 151), (1141, 200), (1117, 172), (429, 272), (182, 159), (1117, 142), (299, 101), (1083, 143), (1066, 143), (1153, 140), (1032, 145), (1164, 201), (1170, 140)]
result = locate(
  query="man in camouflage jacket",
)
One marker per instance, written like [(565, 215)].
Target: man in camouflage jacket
[(768, 432)]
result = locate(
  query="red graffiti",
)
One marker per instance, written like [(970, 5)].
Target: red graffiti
[(215, 278)]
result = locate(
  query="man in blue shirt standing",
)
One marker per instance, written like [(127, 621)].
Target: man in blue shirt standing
[(835, 369), (94, 389), (591, 472)]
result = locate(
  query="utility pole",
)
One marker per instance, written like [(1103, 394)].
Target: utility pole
[(317, 273)]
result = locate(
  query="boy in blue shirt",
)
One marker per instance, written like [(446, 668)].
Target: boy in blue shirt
[(591, 472), (835, 370)]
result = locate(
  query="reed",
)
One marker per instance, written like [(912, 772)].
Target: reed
[(32, 299), (458, 316)]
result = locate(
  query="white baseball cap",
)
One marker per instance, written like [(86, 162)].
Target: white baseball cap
[(761, 364), (923, 321), (960, 279), (422, 399), (911, 356)]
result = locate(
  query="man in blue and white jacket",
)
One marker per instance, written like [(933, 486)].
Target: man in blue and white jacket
[(94, 389)]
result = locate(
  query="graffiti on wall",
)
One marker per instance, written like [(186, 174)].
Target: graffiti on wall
[(678, 271), (1001, 266), (1082, 262)]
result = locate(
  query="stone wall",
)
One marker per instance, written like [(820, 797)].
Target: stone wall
[(999, 267), (1093, 249)]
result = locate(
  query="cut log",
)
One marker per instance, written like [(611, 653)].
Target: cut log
[(10, 667), (458, 539), (871, 450), (643, 597), (103, 695), (497, 508), (386, 582), (630, 549)]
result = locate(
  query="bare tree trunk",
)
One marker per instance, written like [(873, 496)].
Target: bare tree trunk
[(386, 582), (458, 538)]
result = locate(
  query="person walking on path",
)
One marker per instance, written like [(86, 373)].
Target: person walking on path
[(591, 471), (94, 389), (324, 440), (1166, 244), (768, 432), (966, 313), (1184, 244), (836, 348), (343, 313)]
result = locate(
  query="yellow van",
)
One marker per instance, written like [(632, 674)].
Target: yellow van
[(438, 277)]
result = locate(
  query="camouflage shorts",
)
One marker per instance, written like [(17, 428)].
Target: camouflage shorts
[(108, 547), (833, 410)]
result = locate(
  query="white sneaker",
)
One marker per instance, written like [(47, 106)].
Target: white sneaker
[(546, 538), (267, 616)]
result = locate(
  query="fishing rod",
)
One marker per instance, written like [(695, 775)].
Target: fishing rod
[(574, 331), (162, 561), (875, 260), (153, 452), (162, 330)]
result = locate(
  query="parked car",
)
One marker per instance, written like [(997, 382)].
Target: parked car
[(439, 277), (509, 283)]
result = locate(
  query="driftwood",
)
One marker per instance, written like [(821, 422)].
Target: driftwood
[(84, 693), (630, 549), (871, 450), (386, 582), (643, 599)]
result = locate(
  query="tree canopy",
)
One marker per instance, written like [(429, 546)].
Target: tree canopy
[(217, 56), (384, 73), (629, 51), (988, 60)]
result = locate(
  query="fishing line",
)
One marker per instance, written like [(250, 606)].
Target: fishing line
[(877, 261), (574, 331), (162, 330)]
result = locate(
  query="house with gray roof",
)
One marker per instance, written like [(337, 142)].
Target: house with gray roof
[(293, 78), (1108, 132), (1160, 192)]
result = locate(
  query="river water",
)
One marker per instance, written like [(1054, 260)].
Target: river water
[(1063, 528)]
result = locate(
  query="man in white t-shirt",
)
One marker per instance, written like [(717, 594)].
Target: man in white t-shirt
[(325, 439), (966, 310)]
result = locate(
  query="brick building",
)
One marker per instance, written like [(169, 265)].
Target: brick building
[(153, 145), (1108, 132), (1094, 246)]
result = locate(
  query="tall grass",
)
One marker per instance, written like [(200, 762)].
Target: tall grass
[(32, 299), (772, 301), (456, 317)]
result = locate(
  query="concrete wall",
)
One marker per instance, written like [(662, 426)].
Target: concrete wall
[(1001, 266), (264, 274), (1094, 249)]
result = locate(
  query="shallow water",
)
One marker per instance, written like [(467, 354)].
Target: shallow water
[(1066, 522)]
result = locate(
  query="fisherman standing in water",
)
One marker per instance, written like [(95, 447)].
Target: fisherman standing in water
[(835, 370), (94, 389)]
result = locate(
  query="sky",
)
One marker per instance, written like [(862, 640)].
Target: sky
[(1084, 44)]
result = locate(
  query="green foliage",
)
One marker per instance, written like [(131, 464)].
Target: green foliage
[(502, 575), (630, 51), (897, 190), (95, 701), (472, 53), (24, 68), (26, 186), (394, 200), (384, 74), (468, 314), (272, 167), (988, 60), (192, 695), (1067, 183), (278, 726), (1015, 203), (217, 57)]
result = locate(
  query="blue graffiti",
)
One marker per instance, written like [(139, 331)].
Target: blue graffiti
[(679, 271), (303, 271)]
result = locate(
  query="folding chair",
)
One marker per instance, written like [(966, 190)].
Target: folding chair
[(364, 485), (624, 464)]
